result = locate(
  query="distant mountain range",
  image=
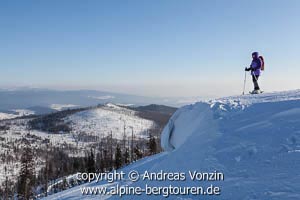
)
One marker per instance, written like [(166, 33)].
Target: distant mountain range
[(46, 100)]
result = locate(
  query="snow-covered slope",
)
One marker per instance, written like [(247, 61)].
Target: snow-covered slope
[(110, 119), (16, 113), (253, 140), (60, 107), (97, 122)]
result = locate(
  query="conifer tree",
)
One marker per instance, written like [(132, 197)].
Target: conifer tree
[(152, 145), (118, 157), (138, 153), (126, 157), (90, 164), (27, 174)]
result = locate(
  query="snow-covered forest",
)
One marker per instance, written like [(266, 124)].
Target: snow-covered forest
[(55, 145)]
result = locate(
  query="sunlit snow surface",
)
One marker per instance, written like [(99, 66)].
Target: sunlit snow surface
[(16, 113), (110, 119), (253, 139), (100, 122), (60, 107)]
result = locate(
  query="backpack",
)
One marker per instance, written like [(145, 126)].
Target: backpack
[(262, 63)]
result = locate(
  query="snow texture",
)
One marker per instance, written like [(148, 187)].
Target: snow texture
[(16, 113), (110, 118), (100, 122), (253, 139), (60, 107)]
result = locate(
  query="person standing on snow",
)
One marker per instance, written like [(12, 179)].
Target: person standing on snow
[(255, 68)]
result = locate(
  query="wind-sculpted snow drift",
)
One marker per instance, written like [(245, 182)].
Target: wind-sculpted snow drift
[(254, 140)]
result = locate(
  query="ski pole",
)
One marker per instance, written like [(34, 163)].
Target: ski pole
[(244, 84), (255, 77)]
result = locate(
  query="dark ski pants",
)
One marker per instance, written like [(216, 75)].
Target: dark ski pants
[(255, 79)]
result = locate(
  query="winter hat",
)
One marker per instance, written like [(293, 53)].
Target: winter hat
[(255, 54)]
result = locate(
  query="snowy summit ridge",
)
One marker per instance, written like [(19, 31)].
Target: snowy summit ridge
[(222, 107)]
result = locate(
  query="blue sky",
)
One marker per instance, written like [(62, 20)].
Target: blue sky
[(153, 48)]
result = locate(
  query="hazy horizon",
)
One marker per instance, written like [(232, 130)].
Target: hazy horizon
[(62, 89)]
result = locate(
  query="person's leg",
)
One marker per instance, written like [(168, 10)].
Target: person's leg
[(255, 82)]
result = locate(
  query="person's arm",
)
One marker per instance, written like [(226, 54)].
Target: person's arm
[(251, 67)]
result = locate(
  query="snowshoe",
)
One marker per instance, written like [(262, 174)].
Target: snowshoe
[(256, 92)]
